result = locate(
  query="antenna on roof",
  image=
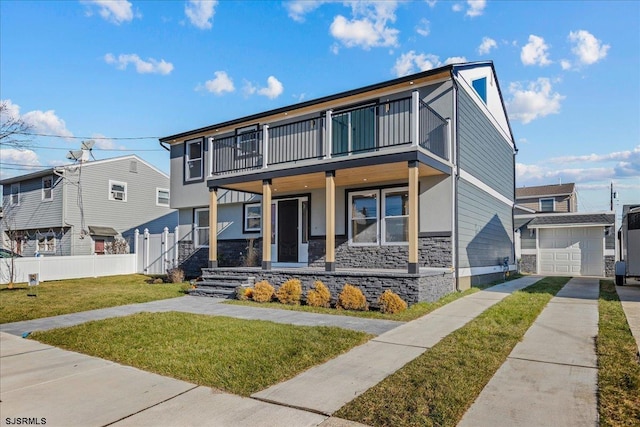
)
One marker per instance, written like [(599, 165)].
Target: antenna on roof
[(83, 154)]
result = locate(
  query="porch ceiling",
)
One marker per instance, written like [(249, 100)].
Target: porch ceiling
[(364, 176)]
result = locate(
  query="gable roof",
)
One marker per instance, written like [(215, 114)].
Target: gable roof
[(548, 221), (545, 190)]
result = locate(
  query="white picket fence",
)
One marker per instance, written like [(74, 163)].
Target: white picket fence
[(152, 254)]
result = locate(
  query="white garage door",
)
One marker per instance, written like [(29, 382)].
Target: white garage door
[(571, 251)]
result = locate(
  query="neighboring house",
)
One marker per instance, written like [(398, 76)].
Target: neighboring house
[(414, 174), (552, 238), (80, 209)]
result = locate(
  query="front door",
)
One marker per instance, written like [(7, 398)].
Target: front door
[(288, 230)]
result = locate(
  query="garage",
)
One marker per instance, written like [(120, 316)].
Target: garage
[(573, 251)]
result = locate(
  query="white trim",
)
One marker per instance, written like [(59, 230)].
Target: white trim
[(246, 229), (609, 252), (12, 194), (477, 271), (575, 225), (350, 217), (553, 199), (196, 228), (123, 184), (158, 190), (544, 214), (383, 216), (50, 198), (484, 187), (528, 252), (187, 176), (523, 208)]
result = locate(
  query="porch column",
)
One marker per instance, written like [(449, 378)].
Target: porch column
[(213, 227), (266, 224), (328, 134), (330, 214), (415, 118), (413, 217)]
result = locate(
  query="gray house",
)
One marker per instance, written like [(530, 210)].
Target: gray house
[(412, 177), (81, 209), (552, 238)]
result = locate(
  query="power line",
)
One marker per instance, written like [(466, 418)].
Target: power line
[(23, 164), (86, 137), (28, 146)]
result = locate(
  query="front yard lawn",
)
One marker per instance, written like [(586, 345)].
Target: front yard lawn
[(234, 355), (618, 365), (75, 295), (437, 388)]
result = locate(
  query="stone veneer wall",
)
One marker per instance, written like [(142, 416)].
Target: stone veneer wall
[(432, 252), (609, 265), (528, 264), (412, 288), (230, 254)]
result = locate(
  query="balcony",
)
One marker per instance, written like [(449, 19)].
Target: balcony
[(365, 130)]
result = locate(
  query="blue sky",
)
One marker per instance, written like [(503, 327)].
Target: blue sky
[(133, 71)]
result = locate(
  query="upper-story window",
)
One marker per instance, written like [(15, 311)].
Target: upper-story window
[(15, 194), (118, 191), (480, 85), (547, 205), (162, 197), (47, 188), (247, 141), (193, 167)]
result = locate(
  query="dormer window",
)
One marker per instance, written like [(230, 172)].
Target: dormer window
[(547, 205)]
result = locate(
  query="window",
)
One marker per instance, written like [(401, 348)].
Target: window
[(47, 243), (547, 205), (247, 141), (480, 85), (162, 197), (379, 216), (118, 191), (193, 158), (15, 194), (47, 188), (98, 246), (201, 227), (252, 218)]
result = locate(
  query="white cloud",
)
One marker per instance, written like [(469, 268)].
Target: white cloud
[(587, 48), (535, 101), (369, 26), (423, 28), (20, 157), (200, 12), (114, 11), (299, 8), (535, 52), (9, 110), (616, 155), (220, 84), (273, 90), (486, 45), (47, 122), (565, 64), (475, 7), (411, 62), (431, 3), (150, 66)]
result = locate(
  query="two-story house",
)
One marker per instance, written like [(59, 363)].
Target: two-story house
[(80, 209), (553, 238), (407, 184)]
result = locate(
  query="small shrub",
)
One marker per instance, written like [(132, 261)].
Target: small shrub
[(319, 295), (352, 298), (244, 293), (263, 292), (391, 303), (290, 292), (175, 275), (157, 281)]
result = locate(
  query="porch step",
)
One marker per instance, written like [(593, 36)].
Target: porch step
[(218, 286)]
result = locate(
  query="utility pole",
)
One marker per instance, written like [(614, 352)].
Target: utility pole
[(614, 195)]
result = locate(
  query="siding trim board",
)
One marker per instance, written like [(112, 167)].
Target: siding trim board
[(484, 187)]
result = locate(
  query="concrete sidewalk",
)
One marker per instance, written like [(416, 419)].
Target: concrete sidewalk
[(201, 305), (326, 388), (550, 377), (630, 300)]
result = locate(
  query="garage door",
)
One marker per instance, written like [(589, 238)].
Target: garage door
[(571, 251)]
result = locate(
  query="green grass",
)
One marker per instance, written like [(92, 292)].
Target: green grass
[(413, 312), (75, 295), (234, 355), (618, 364), (437, 388)]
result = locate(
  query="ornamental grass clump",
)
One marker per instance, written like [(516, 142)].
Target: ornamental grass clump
[(391, 303), (319, 295), (263, 292), (290, 292), (352, 298), (244, 293)]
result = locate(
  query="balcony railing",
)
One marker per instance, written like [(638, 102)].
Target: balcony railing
[(368, 128)]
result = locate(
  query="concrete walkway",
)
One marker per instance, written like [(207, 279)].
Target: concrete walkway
[(201, 305), (326, 388), (630, 299), (550, 377)]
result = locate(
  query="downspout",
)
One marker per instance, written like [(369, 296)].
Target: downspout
[(164, 146), (456, 177)]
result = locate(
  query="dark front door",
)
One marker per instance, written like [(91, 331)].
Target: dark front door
[(288, 231)]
